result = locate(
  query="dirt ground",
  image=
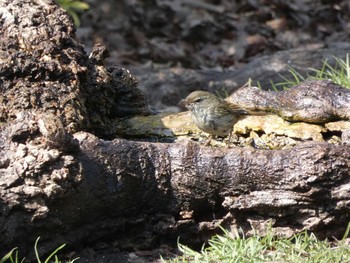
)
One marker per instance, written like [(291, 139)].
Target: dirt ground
[(221, 34)]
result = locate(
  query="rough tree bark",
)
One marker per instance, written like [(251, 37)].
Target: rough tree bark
[(60, 180)]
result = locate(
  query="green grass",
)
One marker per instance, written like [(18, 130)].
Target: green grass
[(73, 7), (301, 248), (339, 74), (13, 257)]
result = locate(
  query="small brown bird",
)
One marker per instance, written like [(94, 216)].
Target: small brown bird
[(212, 114)]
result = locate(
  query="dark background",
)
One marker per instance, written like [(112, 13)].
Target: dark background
[(220, 34)]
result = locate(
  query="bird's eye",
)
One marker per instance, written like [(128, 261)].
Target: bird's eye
[(197, 100)]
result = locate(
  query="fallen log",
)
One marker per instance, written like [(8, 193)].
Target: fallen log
[(65, 176)]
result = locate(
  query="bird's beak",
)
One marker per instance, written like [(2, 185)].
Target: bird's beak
[(183, 103)]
